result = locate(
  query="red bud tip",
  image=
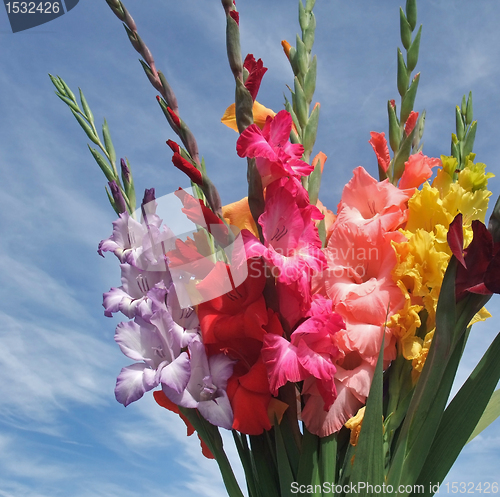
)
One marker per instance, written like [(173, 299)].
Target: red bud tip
[(410, 122), (236, 16), (393, 103), (174, 117), (187, 168), (158, 98), (174, 146)]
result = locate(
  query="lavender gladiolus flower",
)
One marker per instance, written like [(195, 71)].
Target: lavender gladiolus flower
[(158, 344), (206, 388)]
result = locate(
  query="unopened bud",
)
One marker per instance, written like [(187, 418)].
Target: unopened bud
[(117, 197)]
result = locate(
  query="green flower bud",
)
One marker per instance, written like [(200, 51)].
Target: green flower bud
[(463, 106), (289, 108), (310, 80), (394, 130), (86, 108), (409, 99), (469, 113), (455, 151), (311, 129), (402, 155), (405, 29), (108, 144), (459, 124), (233, 47), (411, 13), (85, 126), (469, 139), (300, 103), (308, 33), (314, 183), (101, 162), (412, 56), (244, 107), (301, 57), (403, 75)]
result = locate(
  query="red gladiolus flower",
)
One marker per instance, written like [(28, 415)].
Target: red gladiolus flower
[(236, 314), (256, 71), (379, 145), (249, 396)]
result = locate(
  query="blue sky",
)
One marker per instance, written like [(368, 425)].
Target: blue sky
[(61, 431)]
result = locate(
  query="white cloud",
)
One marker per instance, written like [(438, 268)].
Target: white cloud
[(47, 370)]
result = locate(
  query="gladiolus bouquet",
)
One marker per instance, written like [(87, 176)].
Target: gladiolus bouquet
[(327, 342)]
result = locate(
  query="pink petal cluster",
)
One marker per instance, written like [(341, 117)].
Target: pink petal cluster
[(274, 155), (358, 281)]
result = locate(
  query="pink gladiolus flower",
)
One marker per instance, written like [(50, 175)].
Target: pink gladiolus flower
[(418, 169), (292, 244), (275, 155), (310, 353), (292, 248), (373, 204)]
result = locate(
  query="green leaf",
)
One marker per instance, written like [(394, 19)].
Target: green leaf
[(490, 414), (462, 416), (308, 473), (86, 108), (327, 460), (284, 470), (86, 127), (240, 440), (211, 436), (423, 414), (368, 464), (108, 144), (264, 462)]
